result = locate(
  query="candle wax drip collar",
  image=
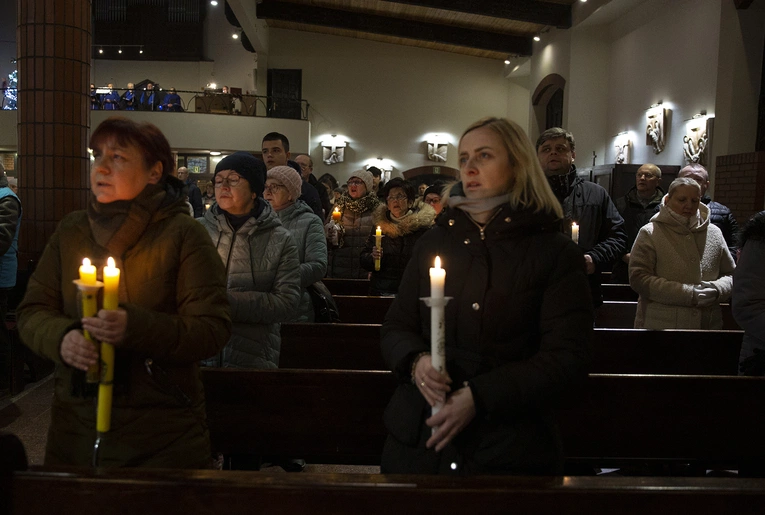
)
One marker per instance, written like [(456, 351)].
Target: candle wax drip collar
[(435, 303), (83, 286)]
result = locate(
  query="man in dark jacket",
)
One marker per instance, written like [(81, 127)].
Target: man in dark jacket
[(637, 207), (194, 193), (601, 228), (719, 214)]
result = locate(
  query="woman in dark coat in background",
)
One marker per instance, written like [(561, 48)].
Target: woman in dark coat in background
[(401, 226), (748, 301), (517, 328)]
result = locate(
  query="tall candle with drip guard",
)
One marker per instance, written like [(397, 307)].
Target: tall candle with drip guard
[(111, 301), (575, 232), (89, 294), (378, 244), (437, 324)]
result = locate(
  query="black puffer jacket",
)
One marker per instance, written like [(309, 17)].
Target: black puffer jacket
[(601, 228), (397, 244), (517, 329), (723, 218), (635, 216)]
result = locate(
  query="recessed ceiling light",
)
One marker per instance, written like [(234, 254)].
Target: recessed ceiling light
[(537, 38), (100, 50), (235, 35), (213, 2), (507, 61), (214, 153)]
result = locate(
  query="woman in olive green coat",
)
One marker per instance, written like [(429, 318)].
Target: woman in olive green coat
[(173, 310)]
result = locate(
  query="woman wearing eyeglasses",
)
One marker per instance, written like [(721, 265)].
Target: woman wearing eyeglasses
[(282, 191), (356, 207), (401, 226), (261, 261)]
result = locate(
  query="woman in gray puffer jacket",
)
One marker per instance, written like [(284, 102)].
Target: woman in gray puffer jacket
[(261, 261), (283, 187)]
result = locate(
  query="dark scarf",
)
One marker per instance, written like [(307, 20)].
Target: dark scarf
[(562, 184)]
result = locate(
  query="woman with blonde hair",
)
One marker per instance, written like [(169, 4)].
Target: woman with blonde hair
[(517, 326), (680, 264)]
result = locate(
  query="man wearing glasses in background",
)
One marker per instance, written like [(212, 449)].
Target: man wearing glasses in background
[(637, 207)]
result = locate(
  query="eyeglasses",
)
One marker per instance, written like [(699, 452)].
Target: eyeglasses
[(647, 175), (355, 183), (432, 201), (397, 198), (231, 180), (273, 188)]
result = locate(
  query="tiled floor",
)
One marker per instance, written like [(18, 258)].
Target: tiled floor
[(28, 416)]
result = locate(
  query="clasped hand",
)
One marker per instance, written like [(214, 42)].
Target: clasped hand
[(458, 408), (376, 252), (107, 326), (705, 294)]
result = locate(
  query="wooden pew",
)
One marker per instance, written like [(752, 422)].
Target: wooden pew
[(130, 491), (347, 286), (332, 416), (615, 351), (621, 314), (618, 292)]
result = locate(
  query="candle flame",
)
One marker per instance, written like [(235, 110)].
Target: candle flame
[(378, 228), (85, 262), (110, 262), (438, 262), (337, 210), (574, 225)]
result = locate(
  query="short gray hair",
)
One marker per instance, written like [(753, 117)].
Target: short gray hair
[(555, 133), (683, 181)]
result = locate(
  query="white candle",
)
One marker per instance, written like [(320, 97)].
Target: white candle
[(437, 323), (575, 232)]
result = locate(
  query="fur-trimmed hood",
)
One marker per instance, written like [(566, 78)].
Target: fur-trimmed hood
[(414, 221)]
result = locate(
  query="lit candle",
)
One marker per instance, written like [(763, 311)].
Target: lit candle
[(87, 273), (378, 239), (89, 295), (575, 232), (437, 323), (336, 214), (111, 301)]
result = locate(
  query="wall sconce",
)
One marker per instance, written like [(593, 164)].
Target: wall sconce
[(334, 150), (622, 145), (698, 132), (656, 127), (438, 145)]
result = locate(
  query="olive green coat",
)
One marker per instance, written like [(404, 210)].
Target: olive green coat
[(173, 288)]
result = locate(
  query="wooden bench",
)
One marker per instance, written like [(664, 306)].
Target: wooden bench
[(615, 351), (347, 286), (333, 416), (129, 491), (621, 314), (618, 292)]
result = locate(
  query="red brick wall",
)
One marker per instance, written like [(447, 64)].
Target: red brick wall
[(740, 184)]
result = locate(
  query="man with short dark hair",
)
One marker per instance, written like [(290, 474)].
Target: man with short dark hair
[(601, 227), (275, 148), (719, 214), (637, 207)]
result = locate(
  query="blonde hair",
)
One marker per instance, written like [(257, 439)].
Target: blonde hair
[(530, 188)]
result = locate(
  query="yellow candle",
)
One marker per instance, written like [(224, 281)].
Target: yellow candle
[(89, 307), (336, 215), (575, 232), (111, 285), (378, 244), (111, 301), (88, 273)]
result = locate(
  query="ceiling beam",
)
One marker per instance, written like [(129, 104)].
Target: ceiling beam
[(388, 26), (531, 11)]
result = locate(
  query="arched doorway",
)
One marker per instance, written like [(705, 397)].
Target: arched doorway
[(548, 102)]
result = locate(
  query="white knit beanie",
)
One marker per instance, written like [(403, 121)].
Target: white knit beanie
[(365, 176), (289, 178)]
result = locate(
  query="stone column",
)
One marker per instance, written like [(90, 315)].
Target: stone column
[(53, 45)]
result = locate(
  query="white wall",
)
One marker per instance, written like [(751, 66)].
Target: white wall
[(385, 98), (551, 55), (662, 51)]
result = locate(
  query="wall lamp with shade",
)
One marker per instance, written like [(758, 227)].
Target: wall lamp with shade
[(333, 149)]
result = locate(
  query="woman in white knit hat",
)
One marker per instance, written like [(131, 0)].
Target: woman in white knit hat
[(356, 207), (282, 190)]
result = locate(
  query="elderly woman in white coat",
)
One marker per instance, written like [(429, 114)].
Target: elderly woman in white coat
[(261, 259), (283, 187), (680, 264)]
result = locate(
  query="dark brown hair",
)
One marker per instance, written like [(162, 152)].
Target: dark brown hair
[(145, 136)]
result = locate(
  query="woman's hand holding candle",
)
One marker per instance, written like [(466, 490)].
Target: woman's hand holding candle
[(378, 246), (110, 325), (452, 418), (78, 352), (433, 385)]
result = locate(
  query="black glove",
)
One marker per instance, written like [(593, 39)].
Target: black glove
[(753, 365)]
